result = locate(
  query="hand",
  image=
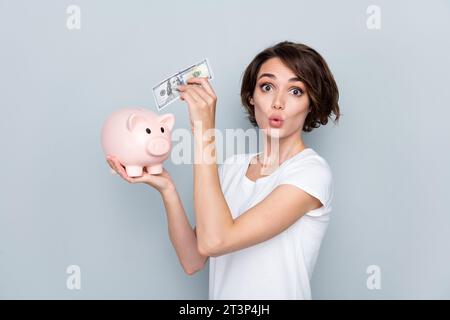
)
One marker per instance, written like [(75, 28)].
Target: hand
[(201, 99), (161, 182)]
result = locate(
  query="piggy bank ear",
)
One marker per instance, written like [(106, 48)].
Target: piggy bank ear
[(168, 120), (133, 119)]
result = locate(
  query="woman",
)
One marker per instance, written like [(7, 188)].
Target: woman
[(260, 217)]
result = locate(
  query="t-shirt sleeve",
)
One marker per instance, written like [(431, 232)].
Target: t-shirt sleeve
[(314, 177)]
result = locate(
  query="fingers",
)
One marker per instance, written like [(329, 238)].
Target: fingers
[(110, 164), (194, 93), (117, 167), (187, 95), (145, 178), (203, 95), (197, 94), (203, 81), (186, 90), (199, 89)]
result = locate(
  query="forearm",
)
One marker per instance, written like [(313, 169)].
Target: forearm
[(181, 233), (213, 216)]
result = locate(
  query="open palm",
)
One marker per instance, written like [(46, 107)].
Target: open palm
[(161, 182)]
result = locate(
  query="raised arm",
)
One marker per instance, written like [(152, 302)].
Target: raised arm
[(217, 232)]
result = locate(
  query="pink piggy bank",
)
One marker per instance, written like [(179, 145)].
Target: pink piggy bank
[(138, 138)]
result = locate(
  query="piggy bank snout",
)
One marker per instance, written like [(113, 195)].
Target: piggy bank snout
[(158, 146)]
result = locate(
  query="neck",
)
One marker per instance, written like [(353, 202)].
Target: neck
[(278, 150)]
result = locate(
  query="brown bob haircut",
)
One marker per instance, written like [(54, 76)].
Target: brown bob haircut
[(309, 66)]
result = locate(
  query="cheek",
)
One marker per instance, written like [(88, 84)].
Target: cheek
[(296, 111), (295, 105), (258, 114), (261, 103)]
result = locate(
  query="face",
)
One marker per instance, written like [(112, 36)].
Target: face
[(280, 100)]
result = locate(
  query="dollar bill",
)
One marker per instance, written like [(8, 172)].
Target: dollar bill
[(165, 92)]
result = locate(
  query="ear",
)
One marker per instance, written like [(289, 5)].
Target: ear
[(133, 119), (167, 119), (251, 101)]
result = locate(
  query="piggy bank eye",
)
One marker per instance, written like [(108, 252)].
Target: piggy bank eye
[(162, 129), (148, 130)]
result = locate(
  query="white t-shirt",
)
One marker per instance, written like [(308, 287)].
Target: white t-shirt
[(281, 267)]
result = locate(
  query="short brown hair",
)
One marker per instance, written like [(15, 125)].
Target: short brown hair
[(309, 66)]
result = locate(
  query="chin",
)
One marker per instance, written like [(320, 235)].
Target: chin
[(268, 131)]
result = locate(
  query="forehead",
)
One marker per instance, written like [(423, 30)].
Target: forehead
[(276, 67)]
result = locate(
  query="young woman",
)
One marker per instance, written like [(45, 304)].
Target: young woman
[(259, 221)]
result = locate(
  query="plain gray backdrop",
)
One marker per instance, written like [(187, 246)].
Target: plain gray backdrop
[(60, 206)]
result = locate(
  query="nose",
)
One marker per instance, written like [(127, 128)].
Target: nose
[(158, 147), (277, 107), (277, 103)]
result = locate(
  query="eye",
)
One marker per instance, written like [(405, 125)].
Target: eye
[(148, 130), (162, 129), (265, 87), (297, 92)]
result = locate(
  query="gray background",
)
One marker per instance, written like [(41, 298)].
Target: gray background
[(61, 206)]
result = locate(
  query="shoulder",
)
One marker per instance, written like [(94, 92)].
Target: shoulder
[(310, 163), (312, 174)]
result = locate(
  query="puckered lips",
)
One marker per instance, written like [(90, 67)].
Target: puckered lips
[(276, 121)]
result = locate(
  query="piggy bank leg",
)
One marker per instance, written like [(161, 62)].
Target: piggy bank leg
[(134, 171), (156, 169)]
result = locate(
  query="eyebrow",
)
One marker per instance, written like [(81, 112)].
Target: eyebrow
[(270, 75)]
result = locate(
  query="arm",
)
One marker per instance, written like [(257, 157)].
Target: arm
[(219, 234), (181, 234), (263, 221)]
